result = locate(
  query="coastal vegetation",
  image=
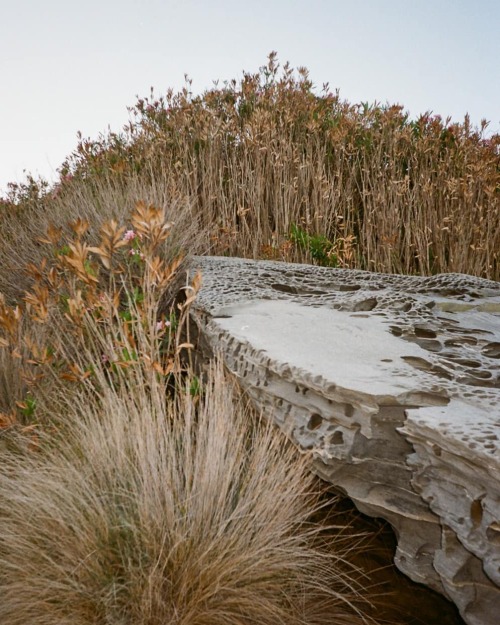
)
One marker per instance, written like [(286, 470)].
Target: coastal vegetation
[(134, 489)]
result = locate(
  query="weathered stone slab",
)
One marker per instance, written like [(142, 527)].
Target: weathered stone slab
[(393, 382)]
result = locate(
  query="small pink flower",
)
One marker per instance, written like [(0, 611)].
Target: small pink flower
[(104, 358), (136, 253), (162, 325), (129, 235)]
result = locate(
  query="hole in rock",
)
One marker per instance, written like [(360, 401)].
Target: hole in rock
[(483, 375), (424, 333), (492, 350), (337, 438), (430, 345), (451, 292), (421, 399), (284, 288), (465, 340), (476, 512), (423, 365), (464, 331), (437, 450), (349, 411), (478, 381), (465, 362), (344, 287), (314, 292), (418, 363), (493, 533), (448, 319), (315, 421), (396, 331), (425, 550), (366, 304)]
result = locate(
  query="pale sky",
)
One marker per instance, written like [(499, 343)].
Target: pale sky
[(68, 65)]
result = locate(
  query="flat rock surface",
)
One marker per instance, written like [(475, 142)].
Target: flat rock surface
[(393, 384)]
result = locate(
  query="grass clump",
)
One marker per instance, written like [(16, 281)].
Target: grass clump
[(146, 511)]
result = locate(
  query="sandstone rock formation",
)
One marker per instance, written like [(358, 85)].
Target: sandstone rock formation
[(393, 382)]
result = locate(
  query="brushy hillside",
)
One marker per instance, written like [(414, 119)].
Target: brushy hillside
[(266, 167)]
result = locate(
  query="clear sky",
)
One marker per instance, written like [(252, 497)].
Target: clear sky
[(70, 65)]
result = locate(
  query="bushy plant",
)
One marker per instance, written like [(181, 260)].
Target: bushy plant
[(111, 303), (324, 252), (248, 159)]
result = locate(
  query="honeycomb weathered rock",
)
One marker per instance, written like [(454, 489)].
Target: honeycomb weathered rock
[(393, 382)]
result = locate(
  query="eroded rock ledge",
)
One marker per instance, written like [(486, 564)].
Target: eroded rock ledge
[(394, 383)]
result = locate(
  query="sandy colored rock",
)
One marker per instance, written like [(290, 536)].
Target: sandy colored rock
[(393, 383)]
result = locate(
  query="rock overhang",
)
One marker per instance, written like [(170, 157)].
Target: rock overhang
[(393, 383)]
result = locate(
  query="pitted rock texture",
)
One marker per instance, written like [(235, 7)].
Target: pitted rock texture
[(393, 383)]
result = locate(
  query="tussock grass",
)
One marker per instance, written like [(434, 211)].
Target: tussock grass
[(151, 512)]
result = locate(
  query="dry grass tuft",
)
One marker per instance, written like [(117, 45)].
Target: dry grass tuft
[(148, 512)]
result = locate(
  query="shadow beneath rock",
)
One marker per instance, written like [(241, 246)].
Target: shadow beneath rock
[(393, 597)]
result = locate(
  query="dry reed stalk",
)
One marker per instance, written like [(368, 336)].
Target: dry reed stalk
[(247, 161)]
